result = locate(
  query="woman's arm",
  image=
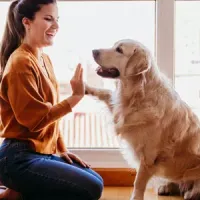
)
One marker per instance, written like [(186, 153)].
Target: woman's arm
[(29, 107)]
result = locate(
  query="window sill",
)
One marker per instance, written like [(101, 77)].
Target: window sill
[(102, 158)]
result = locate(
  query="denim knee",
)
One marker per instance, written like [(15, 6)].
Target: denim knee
[(97, 189)]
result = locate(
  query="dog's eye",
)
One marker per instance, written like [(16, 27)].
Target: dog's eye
[(119, 50)]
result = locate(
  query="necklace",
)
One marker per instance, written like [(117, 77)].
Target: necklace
[(42, 63)]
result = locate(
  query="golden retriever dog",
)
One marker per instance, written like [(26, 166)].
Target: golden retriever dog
[(161, 132)]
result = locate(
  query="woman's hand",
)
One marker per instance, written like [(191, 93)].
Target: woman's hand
[(77, 83), (70, 157), (78, 87)]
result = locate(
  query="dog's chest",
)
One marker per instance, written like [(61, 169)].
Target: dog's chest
[(135, 143), (121, 120), (135, 134), (118, 118), (122, 115), (119, 115)]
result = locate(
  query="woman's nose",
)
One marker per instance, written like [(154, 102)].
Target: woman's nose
[(56, 25)]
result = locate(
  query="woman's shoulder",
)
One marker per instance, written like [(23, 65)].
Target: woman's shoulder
[(20, 61)]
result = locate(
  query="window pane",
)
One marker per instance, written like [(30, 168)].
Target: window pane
[(3, 15), (85, 26), (187, 71)]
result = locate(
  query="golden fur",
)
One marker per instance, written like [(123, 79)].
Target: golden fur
[(162, 133)]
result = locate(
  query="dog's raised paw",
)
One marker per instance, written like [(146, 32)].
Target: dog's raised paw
[(86, 89), (89, 90), (170, 189)]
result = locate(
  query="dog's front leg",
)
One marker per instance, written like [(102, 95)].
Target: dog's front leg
[(102, 94), (142, 178)]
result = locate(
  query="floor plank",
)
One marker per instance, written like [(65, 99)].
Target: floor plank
[(124, 193)]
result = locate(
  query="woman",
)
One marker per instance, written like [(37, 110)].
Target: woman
[(30, 111)]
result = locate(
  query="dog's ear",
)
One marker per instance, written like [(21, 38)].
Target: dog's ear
[(139, 62)]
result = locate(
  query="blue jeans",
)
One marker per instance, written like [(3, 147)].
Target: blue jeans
[(39, 176)]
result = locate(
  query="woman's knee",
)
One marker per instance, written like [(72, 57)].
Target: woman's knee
[(96, 188), (99, 190)]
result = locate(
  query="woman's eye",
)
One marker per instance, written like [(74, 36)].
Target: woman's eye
[(48, 19), (119, 50)]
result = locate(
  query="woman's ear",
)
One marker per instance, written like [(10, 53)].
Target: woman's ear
[(26, 22)]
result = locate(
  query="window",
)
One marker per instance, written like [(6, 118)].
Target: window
[(187, 51), (85, 26), (3, 10)]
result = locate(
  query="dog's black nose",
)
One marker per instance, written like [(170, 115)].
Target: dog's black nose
[(95, 53)]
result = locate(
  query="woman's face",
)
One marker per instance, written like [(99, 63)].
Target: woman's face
[(41, 31)]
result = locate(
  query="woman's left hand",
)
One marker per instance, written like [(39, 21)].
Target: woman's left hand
[(70, 157)]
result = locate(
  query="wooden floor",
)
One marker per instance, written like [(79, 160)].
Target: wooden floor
[(124, 193)]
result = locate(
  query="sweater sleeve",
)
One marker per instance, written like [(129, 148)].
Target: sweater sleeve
[(29, 107)]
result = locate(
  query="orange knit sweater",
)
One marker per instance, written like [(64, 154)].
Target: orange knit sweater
[(29, 105)]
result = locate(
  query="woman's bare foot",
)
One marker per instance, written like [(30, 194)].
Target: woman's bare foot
[(9, 194)]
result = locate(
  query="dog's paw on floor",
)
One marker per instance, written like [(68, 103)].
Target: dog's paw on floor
[(170, 189)]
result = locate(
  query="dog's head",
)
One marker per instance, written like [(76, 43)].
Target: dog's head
[(125, 59)]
